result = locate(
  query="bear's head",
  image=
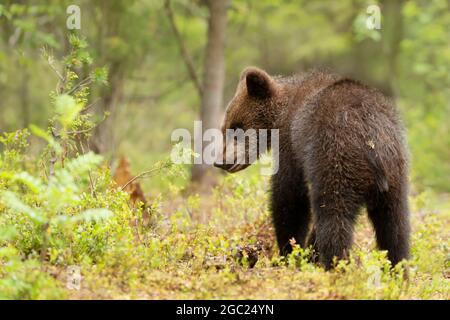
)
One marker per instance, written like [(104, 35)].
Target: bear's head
[(250, 111)]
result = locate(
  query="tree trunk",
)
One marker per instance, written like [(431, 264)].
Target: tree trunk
[(392, 37), (24, 97), (105, 136), (213, 80), (383, 54)]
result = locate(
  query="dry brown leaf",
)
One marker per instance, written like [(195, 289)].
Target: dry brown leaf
[(122, 177)]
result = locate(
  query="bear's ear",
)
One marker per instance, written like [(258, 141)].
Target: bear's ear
[(259, 84)]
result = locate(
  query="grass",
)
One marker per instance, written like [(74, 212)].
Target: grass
[(191, 254), (194, 246)]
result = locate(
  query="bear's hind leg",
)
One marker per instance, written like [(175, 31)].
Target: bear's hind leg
[(335, 218), (390, 218)]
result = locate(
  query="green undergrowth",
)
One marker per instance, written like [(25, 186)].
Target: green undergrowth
[(216, 246), (68, 231)]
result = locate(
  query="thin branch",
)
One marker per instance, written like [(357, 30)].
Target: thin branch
[(145, 173), (174, 84), (140, 175), (81, 131), (85, 82), (53, 158), (184, 53), (61, 78), (44, 246), (49, 58), (91, 181), (89, 106), (57, 135), (15, 37), (50, 61)]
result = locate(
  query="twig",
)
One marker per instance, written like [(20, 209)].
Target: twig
[(143, 174), (53, 158), (43, 253), (49, 59), (15, 37), (60, 76), (184, 53), (89, 106), (91, 181), (82, 83), (174, 84), (57, 135), (81, 131)]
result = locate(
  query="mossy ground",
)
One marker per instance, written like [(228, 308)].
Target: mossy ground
[(194, 257), (216, 245)]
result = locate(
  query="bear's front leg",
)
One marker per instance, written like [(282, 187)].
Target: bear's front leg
[(290, 208)]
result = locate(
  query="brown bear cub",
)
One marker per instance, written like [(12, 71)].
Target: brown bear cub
[(341, 146)]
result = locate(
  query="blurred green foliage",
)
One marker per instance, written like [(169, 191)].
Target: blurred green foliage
[(408, 57), (59, 205)]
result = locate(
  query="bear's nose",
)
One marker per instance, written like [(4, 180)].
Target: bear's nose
[(218, 165)]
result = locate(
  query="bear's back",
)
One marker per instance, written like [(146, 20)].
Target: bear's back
[(346, 122)]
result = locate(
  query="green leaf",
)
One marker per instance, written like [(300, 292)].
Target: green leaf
[(100, 75), (83, 163), (7, 233), (94, 215), (67, 109), (76, 42), (90, 215), (38, 132), (33, 183), (14, 203)]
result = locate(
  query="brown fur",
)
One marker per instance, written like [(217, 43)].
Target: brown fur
[(341, 147)]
